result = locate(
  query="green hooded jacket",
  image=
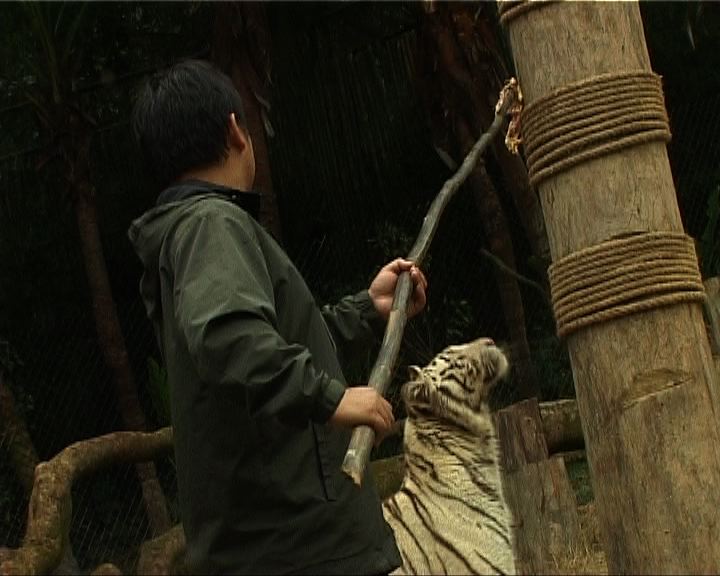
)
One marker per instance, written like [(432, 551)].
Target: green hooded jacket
[(254, 370)]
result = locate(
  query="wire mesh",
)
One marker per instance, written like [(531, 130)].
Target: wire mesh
[(63, 388)]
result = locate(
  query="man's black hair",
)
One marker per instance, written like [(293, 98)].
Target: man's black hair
[(180, 119)]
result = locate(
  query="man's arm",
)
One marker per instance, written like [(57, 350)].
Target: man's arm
[(224, 307), (354, 324), (359, 318)]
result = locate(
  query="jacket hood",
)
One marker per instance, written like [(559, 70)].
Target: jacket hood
[(148, 232)]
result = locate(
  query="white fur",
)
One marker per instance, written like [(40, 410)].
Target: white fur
[(450, 515)]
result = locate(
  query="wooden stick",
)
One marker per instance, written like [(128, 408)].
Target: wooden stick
[(358, 452)]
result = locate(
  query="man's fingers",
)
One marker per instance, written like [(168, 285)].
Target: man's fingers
[(388, 417), (418, 277), (419, 298), (399, 265), (384, 409), (363, 405), (384, 421), (420, 285), (383, 414)]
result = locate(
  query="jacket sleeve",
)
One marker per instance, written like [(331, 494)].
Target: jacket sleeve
[(224, 307), (354, 324)]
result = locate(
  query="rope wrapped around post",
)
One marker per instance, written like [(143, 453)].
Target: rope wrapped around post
[(622, 276), (592, 118), (511, 9), (363, 437)]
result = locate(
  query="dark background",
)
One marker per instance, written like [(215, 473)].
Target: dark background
[(354, 171)]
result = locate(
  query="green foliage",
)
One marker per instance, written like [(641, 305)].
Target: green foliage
[(579, 476), (159, 390), (710, 239)]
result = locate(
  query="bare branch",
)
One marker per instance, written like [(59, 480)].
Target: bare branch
[(358, 452), (160, 555), (50, 507), (515, 274)]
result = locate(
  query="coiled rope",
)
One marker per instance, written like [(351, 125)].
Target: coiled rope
[(577, 123), (592, 118), (623, 276), (511, 9)]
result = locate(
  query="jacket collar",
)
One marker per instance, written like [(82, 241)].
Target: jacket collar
[(247, 200)]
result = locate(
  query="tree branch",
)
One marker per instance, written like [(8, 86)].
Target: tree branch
[(160, 555), (358, 452), (515, 274), (50, 509)]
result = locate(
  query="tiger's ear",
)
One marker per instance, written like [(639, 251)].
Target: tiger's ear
[(414, 372), (415, 393)]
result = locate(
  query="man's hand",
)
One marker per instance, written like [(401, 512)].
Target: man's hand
[(362, 405), (382, 289)]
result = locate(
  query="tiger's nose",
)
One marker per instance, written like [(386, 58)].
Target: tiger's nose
[(487, 341)]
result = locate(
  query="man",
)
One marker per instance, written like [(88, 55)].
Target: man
[(261, 413)]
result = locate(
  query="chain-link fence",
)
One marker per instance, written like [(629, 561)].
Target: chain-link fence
[(695, 160), (61, 386), (64, 394)]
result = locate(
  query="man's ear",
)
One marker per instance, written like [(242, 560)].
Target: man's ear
[(237, 135)]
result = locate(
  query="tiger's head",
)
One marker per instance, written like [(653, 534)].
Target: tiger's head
[(457, 382)]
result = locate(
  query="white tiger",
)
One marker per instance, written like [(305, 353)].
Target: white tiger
[(450, 515)]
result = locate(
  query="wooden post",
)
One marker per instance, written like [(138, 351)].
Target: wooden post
[(643, 382), (561, 426), (537, 491)]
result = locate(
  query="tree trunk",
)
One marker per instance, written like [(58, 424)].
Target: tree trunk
[(107, 325), (477, 39), (496, 230), (164, 554), (14, 436), (460, 89), (644, 385), (241, 48), (69, 129)]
